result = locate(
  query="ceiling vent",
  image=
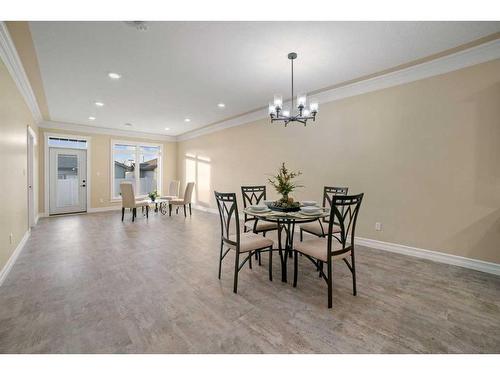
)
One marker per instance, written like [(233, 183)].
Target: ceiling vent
[(138, 25)]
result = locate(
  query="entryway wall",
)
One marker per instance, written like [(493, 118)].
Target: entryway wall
[(16, 117), (100, 166)]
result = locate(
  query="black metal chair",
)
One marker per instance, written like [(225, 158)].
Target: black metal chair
[(344, 211), (232, 239), (320, 227), (254, 195)]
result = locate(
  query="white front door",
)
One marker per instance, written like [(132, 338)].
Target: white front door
[(68, 181)]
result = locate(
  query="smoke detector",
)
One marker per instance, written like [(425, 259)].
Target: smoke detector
[(138, 25)]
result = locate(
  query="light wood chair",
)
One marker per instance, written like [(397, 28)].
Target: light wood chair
[(335, 246), (129, 200), (185, 201), (232, 239), (173, 190)]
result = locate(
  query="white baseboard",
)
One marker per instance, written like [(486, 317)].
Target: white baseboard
[(103, 209), (8, 266), (475, 264), (89, 211), (455, 260)]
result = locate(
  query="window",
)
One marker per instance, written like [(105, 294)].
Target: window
[(127, 156), (67, 143)]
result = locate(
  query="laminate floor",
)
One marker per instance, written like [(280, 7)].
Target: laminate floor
[(92, 284)]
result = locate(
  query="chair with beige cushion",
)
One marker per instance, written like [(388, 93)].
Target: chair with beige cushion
[(129, 201), (173, 190), (185, 201), (320, 227), (243, 244), (253, 195), (335, 246)]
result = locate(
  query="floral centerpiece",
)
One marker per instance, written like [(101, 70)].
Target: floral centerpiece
[(153, 195), (284, 185)]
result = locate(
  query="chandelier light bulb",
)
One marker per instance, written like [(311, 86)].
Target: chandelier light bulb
[(272, 109), (301, 101), (313, 107), (306, 113), (278, 101)]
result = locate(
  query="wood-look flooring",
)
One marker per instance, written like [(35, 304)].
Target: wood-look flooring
[(92, 284)]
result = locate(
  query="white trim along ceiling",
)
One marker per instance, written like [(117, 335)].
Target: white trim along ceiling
[(479, 54)]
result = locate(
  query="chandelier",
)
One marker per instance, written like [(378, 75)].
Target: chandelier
[(302, 114)]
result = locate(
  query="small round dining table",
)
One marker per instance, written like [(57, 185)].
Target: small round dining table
[(286, 223)]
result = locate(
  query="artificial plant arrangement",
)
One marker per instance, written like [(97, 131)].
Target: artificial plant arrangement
[(284, 185), (153, 195)]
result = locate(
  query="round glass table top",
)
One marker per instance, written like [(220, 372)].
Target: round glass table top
[(298, 216)]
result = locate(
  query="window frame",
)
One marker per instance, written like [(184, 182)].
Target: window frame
[(137, 145)]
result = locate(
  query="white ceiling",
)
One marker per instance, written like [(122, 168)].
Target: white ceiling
[(176, 70)]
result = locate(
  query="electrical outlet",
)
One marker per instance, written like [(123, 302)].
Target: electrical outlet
[(378, 226), (11, 238)]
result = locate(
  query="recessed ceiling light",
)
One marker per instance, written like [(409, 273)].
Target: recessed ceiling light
[(167, 128), (221, 105), (187, 119), (91, 118), (114, 75), (128, 124), (99, 104)]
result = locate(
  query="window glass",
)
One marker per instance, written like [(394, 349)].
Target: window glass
[(126, 158), (67, 143), (148, 169), (67, 180), (124, 169)]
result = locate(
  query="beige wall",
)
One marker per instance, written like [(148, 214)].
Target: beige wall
[(14, 119), (100, 160), (426, 154)]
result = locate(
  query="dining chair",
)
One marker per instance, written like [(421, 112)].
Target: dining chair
[(336, 245), (173, 190), (319, 227), (185, 201), (243, 244), (254, 195), (129, 200)]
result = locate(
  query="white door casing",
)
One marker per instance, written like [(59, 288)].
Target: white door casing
[(30, 177)]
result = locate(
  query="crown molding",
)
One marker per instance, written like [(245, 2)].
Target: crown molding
[(9, 56), (57, 125), (459, 60)]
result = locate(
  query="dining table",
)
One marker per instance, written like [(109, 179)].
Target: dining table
[(286, 222)]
